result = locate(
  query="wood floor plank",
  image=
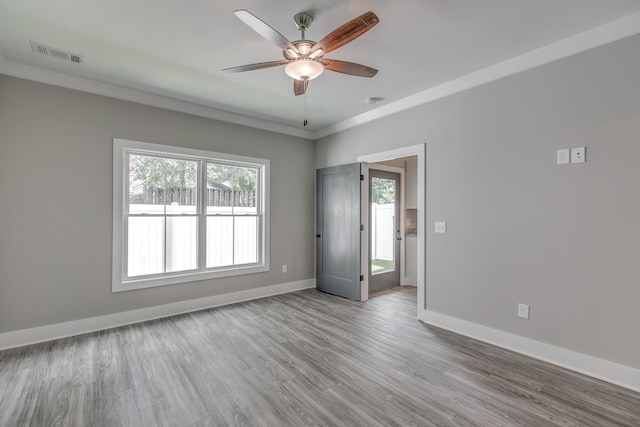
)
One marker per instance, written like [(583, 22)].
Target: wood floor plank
[(300, 359)]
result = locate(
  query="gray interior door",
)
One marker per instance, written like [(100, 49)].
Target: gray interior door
[(384, 230), (338, 230)]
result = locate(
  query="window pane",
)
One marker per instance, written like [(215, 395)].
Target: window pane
[(145, 246), (231, 186), (245, 236), (181, 190), (146, 185), (182, 243), (219, 241)]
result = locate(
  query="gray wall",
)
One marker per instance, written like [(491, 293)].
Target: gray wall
[(564, 239), (56, 147)]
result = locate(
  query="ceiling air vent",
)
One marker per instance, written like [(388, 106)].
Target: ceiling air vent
[(56, 53)]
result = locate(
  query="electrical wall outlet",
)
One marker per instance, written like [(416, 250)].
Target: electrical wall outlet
[(284, 268), (441, 227), (523, 311)]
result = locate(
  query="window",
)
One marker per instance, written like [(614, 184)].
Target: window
[(182, 215)]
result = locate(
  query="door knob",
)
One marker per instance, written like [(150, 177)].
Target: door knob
[(317, 235)]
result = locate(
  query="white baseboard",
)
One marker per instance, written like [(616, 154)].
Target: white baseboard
[(76, 327), (605, 370), (406, 282)]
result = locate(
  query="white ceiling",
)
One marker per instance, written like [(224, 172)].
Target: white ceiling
[(177, 49)]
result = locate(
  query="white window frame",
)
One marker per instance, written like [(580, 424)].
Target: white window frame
[(120, 282)]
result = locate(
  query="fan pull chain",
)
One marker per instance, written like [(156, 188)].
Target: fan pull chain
[(306, 122)]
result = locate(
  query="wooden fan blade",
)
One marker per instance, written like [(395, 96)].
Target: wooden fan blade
[(257, 66), (347, 32), (264, 29), (351, 68), (300, 86)]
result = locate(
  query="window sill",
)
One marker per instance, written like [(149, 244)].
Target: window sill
[(152, 282)]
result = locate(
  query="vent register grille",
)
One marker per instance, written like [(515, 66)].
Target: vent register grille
[(56, 53)]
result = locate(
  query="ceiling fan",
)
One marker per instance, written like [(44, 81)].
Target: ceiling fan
[(304, 59)]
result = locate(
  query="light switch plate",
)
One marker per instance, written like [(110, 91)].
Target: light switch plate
[(441, 227), (523, 311), (578, 155), (562, 156)]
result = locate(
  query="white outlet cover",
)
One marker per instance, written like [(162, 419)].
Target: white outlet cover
[(441, 227), (562, 156), (578, 155)]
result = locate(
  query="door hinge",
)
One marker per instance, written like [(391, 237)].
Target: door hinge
[(361, 227), (361, 278), (361, 177)]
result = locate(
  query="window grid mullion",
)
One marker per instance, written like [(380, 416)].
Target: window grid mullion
[(164, 210), (202, 200)]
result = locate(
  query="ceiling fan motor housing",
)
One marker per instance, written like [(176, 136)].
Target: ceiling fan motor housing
[(303, 46)]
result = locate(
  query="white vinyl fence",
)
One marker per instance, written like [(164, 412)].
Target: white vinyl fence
[(382, 231), (229, 240)]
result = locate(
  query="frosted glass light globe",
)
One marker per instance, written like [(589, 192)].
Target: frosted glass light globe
[(304, 69)]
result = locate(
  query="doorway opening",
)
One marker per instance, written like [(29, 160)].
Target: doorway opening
[(411, 161)]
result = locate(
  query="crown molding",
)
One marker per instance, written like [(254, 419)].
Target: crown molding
[(41, 75), (590, 39)]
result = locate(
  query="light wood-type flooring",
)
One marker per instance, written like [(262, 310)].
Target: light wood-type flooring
[(299, 359)]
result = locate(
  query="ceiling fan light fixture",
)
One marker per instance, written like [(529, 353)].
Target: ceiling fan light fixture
[(304, 69), (315, 53), (292, 53), (304, 48), (304, 59)]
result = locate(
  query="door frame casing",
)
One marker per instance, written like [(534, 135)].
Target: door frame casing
[(420, 151)]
